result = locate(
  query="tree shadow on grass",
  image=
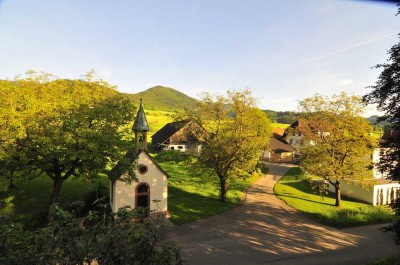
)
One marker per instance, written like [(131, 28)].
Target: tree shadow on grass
[(185, 206)]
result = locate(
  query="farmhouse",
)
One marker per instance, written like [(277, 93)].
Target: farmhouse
[(294, 134), (179, 135), (277, 150), (151, 189)]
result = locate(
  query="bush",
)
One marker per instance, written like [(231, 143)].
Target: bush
[(99, 238), (395, 226), (173, 156)]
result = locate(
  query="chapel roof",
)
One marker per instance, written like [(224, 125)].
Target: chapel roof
[(120, 168)]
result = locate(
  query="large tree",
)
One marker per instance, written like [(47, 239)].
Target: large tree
[(236, 132), (386, 94), (338, 140), (65, 128)]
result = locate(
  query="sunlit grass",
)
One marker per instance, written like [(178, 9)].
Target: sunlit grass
[(297, 193), (157, 120), (279, 125), (193, 196)]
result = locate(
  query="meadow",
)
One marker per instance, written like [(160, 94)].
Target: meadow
[(294, 189)]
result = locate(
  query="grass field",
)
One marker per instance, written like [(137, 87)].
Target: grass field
[(279, 125), (297, 193), (157, 119), (192, 197)]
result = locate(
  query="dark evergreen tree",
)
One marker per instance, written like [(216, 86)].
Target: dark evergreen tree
[(386, 93)]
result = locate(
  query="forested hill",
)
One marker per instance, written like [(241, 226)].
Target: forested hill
[(163, 98)]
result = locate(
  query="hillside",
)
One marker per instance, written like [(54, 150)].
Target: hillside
[(163, 98)]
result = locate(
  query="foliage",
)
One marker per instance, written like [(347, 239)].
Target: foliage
[(395, 226), (338, 140), (286, 117), (100, 238), (30, 200), (295, 190), (235, 135), (386, 93), (63, 127), (163, 98)]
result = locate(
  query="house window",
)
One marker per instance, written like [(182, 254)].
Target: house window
[(143, 169), (180, 147), (143, 195)]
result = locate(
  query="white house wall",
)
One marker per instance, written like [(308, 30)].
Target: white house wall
[(370, 196), (124, 194)]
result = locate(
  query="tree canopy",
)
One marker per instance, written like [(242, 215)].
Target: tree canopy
[(62, 127), (386, 94), (338, 140), (235, 135)]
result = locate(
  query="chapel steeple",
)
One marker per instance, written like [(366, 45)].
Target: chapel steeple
[(141, 127)]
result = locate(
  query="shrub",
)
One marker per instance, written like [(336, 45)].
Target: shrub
[(173, 156), (99, 238)]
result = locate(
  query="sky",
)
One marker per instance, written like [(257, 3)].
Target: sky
[(282, 50)]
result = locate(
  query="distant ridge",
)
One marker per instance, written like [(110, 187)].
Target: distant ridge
[(163, 98)]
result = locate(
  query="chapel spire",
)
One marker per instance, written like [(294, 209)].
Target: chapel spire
[(141, 127)]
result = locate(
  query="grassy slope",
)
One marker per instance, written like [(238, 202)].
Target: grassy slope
[(296, 192), (279, 125)]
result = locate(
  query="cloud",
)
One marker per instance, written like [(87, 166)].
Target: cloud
[(346, 82)]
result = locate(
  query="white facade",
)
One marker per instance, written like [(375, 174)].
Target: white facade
[(295, 139), (377, 172), (154, 178), (378, 194)]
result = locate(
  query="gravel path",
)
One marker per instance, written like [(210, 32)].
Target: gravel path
[(264, 230)]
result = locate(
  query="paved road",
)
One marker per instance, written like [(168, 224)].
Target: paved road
[(264, 230)]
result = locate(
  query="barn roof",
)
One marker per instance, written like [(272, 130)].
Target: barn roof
[(167, 131), (279, 146)]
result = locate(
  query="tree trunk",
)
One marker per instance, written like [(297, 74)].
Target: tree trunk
[(222, 189), (337, 194), (57, 183)]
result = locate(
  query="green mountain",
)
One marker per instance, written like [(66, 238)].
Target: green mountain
[(163, 98)]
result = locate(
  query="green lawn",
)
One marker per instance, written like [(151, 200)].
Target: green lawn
[(192, 197), (297, 193), (157, 120)]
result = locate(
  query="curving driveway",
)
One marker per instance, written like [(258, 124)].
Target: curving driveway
[(264, 230)]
